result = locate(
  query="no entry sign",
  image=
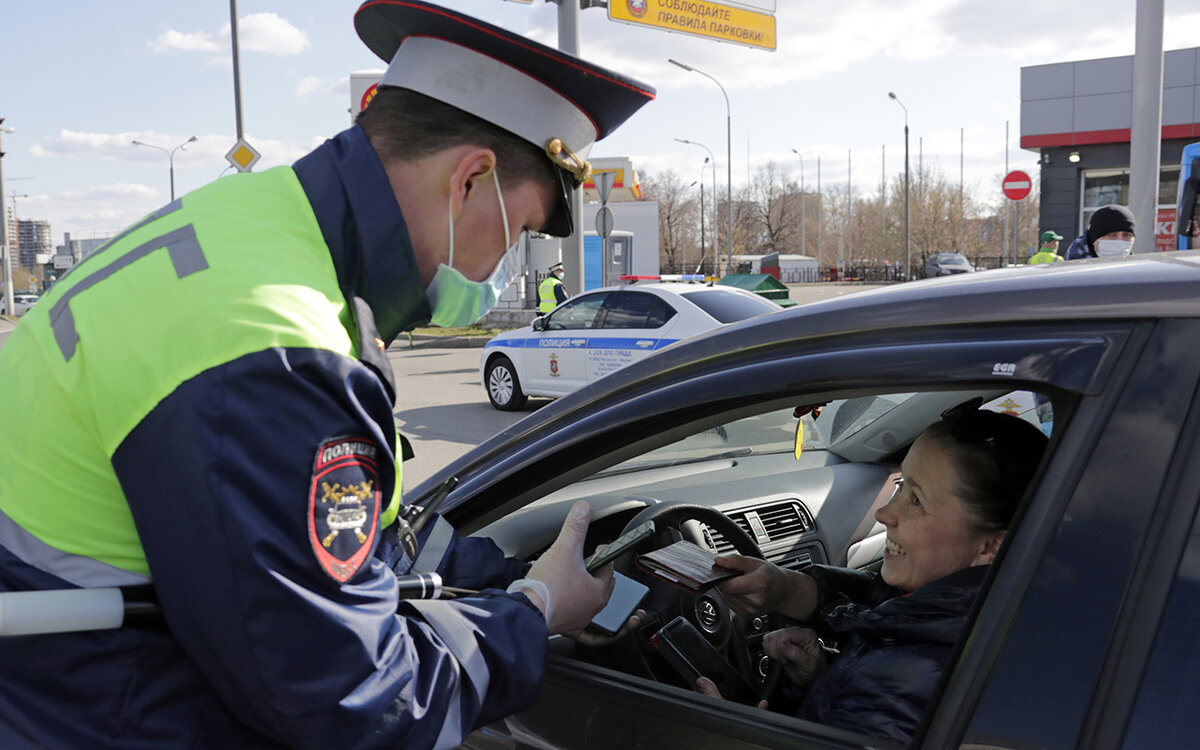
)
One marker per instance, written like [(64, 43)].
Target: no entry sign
[(1016, 185)]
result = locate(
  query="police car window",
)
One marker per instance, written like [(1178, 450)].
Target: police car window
[(576, 313), (728, 308), (635, 310)]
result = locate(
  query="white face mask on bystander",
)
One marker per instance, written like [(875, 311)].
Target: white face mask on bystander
[(1109, 248)]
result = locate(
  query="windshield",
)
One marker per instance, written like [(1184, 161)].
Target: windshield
[(729, 308), (772, 432)]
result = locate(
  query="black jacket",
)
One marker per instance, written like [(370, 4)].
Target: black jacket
[(892, 648)]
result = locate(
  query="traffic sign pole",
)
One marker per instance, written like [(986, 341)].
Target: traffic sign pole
[(1016, 186)]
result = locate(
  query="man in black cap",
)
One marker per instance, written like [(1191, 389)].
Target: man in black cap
[(1110, 232), (215, 421)]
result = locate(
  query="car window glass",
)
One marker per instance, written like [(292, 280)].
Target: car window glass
[(1165, 713), (635, 310), (728, 308), (576, 313), (1034, 408)]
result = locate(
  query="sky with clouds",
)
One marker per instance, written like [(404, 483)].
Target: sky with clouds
[(81, 80)]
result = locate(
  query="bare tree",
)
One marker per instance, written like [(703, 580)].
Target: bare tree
[(678, 216)]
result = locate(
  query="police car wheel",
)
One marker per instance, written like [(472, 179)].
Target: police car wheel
[(503, 386)]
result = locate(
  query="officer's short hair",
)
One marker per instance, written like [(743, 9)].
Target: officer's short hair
[(406, 126)]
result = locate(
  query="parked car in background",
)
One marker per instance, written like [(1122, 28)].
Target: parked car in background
[(601, 331), (21, 303), (947, 264), (1087, 631)]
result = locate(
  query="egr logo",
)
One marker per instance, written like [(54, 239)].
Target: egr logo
[(1004, 368)]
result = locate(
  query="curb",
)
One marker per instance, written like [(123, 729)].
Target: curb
[(427, 341)]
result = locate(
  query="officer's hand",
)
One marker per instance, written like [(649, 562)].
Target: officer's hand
[(590, 637), (575, 595)]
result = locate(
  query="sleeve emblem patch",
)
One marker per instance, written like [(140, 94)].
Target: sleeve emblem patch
[(343, 505)]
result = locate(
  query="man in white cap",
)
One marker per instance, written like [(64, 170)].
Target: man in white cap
[(214, 410), (552, 292)]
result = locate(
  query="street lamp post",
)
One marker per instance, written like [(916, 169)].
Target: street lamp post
[(802, 246), (713, 159), (4, 249), (907, 234), (728, 162), (170, 157)]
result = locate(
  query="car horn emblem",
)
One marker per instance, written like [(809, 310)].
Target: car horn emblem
[(707, 614)]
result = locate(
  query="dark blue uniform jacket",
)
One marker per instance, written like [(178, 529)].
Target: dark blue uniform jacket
[(260, 647)]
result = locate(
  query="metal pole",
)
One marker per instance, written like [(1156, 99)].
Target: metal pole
[(237, 67), (728, 162), (729, 179), (803, 251), (818, 215), (703, 251), (572, 247), (1006, 211), (907, 190), (8, 285), (717, 235), (1145, 144)]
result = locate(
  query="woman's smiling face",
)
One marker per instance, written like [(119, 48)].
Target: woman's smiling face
[(929, 532)]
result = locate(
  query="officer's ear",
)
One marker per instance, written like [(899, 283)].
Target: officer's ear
[(471, 169)]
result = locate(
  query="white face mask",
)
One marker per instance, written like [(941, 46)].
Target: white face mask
[(456, 300), (1108, 248)]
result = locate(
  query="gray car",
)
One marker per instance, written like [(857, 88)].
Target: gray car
[(947, 264)]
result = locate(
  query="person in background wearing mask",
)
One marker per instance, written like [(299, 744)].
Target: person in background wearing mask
[(1110, 232), (204, 406), (1049, 250), (552, 292)]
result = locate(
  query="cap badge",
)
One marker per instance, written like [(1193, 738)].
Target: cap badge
[(567, 159)]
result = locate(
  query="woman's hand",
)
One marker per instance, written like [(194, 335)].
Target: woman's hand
[(764, 587), (800, 652), (759, 587), (709, 688)]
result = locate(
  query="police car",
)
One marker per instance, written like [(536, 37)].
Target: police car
[(595, 333)]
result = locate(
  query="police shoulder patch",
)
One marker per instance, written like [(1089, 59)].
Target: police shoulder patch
[(343, 504)]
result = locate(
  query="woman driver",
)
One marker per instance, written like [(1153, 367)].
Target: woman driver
[(960, 484)]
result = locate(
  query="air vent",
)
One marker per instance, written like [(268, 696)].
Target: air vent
[(786, 519), (780, 521)]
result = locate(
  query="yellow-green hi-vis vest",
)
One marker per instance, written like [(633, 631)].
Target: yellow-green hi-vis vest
[(85, 367)]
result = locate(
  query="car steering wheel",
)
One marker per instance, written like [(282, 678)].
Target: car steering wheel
[(738, 637)]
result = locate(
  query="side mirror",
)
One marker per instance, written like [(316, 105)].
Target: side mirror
[(539, 323)]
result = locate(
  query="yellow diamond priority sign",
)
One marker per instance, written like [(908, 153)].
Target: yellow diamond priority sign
[(242, 155)]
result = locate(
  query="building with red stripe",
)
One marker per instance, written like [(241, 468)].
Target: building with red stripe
[(1078, 116)]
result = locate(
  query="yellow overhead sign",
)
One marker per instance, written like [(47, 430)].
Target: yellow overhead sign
[(699, 17)]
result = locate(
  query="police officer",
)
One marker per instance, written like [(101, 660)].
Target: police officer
[(552, 292), (204, 405), (1048, 253)]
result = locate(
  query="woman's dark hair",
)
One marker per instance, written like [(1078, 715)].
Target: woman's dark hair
[(404, 125), (996, 455)]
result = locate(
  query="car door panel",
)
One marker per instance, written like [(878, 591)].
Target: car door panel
[(1071, 567), (632, 325), (556, 357)]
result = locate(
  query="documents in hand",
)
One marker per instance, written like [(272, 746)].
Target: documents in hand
[(686, 565)]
